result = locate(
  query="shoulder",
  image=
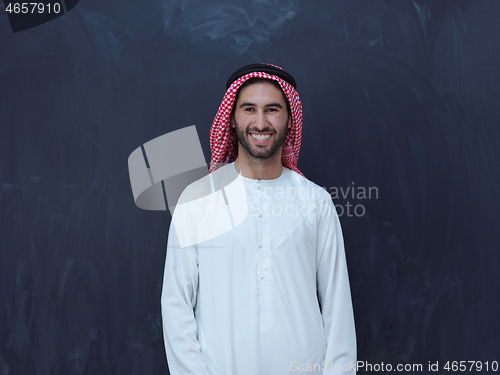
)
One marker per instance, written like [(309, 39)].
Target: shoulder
[(208, 184), (306, 189)]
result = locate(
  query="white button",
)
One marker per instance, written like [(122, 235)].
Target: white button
[(260, 245), (260, 215)]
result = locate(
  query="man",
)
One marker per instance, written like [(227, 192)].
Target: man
[(255, 278)]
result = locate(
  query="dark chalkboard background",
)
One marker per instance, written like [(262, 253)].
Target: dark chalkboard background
[(397, 94)]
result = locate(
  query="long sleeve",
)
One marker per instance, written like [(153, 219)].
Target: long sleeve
[(334, 293), (178, 299)]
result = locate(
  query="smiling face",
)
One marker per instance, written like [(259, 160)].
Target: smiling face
[(261, 120)]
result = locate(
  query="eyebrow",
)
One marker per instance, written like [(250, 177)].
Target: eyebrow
[(248, 104)]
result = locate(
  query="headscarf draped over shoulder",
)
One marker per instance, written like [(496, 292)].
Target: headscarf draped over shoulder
[(223, 141)]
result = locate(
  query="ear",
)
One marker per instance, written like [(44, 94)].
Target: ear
[(231, 120), (289, 122)]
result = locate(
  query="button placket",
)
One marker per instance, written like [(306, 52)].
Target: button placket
[(264, 256), (266, 302), (259, 240)]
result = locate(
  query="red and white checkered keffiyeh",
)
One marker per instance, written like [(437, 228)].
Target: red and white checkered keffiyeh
[(223, 142)]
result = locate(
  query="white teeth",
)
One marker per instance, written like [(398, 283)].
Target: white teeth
[(260, 137)]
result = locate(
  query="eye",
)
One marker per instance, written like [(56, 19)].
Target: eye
[(248, 109), (272, 110)]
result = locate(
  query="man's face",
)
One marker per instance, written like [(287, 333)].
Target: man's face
[(261, 119)]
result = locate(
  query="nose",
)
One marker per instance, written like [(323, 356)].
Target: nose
[(260, 121)]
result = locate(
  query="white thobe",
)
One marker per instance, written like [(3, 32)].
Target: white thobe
[(256, 281)]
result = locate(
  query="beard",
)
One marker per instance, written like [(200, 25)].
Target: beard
[(256, 151)]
